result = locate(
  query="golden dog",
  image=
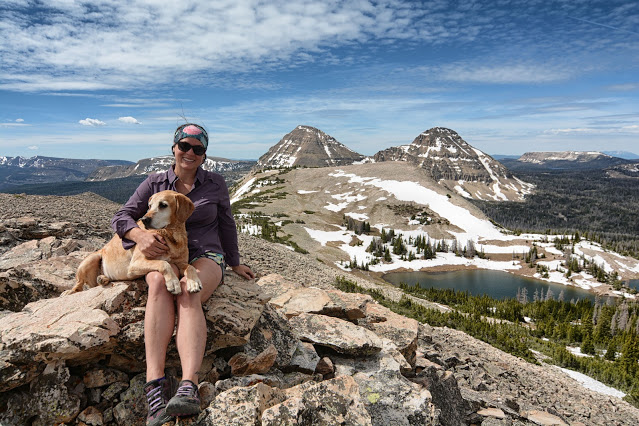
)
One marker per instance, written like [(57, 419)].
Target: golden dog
[(167, 214)]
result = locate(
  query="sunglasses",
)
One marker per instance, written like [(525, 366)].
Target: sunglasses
[(185, 147)]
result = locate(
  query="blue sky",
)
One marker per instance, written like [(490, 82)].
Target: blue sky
[(112, 79)]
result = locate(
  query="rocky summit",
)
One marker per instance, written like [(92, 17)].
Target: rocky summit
[(286, 348), (459, 166), (307, 146)]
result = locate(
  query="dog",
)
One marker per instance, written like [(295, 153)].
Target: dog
[(167, 214)]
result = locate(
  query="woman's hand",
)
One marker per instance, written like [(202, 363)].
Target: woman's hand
[(150, 244), (243, 271)]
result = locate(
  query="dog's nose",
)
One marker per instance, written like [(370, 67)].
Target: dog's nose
[(146, 221)]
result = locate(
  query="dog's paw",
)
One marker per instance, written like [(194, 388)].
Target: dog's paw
[(193, 286), (103, 280), (173, 286)]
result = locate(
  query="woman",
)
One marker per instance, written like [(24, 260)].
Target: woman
[(212, 243)]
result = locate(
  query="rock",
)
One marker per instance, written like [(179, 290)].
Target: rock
[(337, 334), (446, 395), (132, 408), (242, 365), (275, 284), (241, 405), (29, 251), (273, 329), (114, 390), (47, 402), (492, 412), (325, 367), (400, 330), (232, 312), (389, 397), (295, 301), (301, 300), (48, 330), (543, 418), (103, 377), (91, 416), (331, 402), (305, 358)]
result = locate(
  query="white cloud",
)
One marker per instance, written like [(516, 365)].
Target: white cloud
[(129, 120), (502, 74), (573, 130), (19, 120), (91, 122), (33, 148)]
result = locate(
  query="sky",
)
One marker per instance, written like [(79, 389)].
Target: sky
[(111, 79)]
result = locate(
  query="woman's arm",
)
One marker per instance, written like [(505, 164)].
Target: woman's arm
[(124, 223)]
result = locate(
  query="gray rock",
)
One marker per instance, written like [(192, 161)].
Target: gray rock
[(337, 334)]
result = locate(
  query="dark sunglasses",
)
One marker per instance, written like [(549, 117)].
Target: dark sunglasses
[(185, 146)]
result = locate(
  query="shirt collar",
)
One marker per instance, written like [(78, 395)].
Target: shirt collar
[(200, 175)]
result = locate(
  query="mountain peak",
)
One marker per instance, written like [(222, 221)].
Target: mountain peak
[(310, 147), (456, 164)]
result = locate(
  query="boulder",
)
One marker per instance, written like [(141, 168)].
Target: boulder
[(241, 405), (51, 399), (337, 334), (331, 402), (232, 312), (77, 327), (402, 331)]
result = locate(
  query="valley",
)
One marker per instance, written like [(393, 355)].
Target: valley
[(314, 209)]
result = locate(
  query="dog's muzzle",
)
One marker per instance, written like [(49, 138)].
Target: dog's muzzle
[(146, 221)]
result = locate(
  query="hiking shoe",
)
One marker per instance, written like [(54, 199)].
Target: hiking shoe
[(186, 401), (158, 392)]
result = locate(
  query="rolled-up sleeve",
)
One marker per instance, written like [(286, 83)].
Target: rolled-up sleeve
[(125, 219)]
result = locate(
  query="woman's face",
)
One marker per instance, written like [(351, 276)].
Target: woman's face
[(188, 160)]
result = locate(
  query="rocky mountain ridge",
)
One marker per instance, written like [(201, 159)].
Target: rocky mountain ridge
[(459, 166), (564, 160), (286, 349), (162, 163), (306, 146)]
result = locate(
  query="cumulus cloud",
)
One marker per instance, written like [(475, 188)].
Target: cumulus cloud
[(129, 120), (19, 120), (92, 122), (33, 147)]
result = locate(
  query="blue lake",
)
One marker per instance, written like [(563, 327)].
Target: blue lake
[(633, 284), (496, 284)]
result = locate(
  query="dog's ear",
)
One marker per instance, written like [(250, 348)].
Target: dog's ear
[(184, 207)]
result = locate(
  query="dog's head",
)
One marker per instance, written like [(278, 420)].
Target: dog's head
[(167, 207)]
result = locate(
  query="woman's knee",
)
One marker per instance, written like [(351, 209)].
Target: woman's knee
[(156, 285)]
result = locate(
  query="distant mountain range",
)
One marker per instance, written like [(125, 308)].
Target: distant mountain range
[(15, 171), (19, 172), (441, 152), (563, 160)]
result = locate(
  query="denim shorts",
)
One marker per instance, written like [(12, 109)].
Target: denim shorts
[(215, 257)]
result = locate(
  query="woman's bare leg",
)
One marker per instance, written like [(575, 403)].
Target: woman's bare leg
[(191, 329), (159, 322)]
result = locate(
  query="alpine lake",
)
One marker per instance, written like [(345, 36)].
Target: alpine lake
[(496, 284)]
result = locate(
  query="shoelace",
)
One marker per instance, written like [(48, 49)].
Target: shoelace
[(154, 396), (186, 389)]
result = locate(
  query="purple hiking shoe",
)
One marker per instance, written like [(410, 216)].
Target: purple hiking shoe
[(158, 392), (186, 401)]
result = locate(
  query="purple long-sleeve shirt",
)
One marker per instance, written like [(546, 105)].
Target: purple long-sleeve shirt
[(211, 227)]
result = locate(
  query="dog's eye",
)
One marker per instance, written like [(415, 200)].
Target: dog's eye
[(163, 205)]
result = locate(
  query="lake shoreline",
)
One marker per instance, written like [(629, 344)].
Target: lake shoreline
[(603, 290)]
